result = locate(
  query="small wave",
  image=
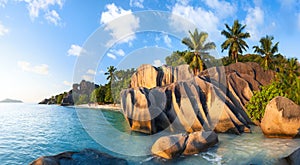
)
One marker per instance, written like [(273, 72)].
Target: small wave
[(147, 159), (212, 157)]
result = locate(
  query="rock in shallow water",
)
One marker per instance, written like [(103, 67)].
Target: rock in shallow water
[(281, 118), (87, 156), (173, 146), (292, 159)]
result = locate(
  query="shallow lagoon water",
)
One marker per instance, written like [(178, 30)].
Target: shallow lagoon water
[(28, 131)]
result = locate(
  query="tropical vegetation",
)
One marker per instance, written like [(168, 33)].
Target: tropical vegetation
[(268, 51), (198, 47), (286, 84), (235, 40)]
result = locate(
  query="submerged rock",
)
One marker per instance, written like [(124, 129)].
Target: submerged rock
[(87, 156), (173, 146), (292, 159), (172, 98), (281, 118)]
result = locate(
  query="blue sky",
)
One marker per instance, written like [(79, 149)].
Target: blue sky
[(43, 42)]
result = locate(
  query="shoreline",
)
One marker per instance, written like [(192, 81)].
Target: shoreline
[(115, 107)]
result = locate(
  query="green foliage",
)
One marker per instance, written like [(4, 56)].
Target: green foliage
[(176, 59), (122, 81), (98, 95), (59, 98), (256, 106), (267, 50), (83, 99), (286, 84), (197, 46)]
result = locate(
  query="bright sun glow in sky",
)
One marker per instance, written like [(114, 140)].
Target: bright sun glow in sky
[(41, 40)]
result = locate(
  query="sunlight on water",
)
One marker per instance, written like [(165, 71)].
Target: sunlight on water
[(30, 131)]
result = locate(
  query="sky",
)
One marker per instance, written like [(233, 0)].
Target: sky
[(46, 45)]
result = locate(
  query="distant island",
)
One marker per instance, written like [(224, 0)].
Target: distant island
[(11, 101)]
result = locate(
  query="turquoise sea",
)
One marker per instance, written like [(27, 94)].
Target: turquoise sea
[(28, 131)]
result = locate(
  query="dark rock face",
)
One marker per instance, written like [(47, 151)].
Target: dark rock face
[(281, 118), (178, 101), (292, 159), (87, 156), (172, 146), (68, 99)]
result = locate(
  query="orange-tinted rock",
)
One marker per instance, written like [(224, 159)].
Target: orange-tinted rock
[(173, 146), (281, 118)]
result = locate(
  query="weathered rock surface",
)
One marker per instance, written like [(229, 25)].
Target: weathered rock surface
[(172, 146), (172, 98), (292, 159), (87, 156), (149, 76), (281, 118)]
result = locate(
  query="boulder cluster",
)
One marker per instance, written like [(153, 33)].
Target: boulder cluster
[(173, 98)]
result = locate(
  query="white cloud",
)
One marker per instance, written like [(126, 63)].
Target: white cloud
[(3, 30), (167, 40), (221, 7), (119, 52), (205, 20), (157, 63), (136, 3), (42, 69), (121, 28), (35, 6), (111, 56), (88, 78), (53, 17), (3, 3), (67, 83), (91, 71), (254, 19), (75, 50)]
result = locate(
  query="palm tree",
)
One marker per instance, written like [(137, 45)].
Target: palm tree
[(198, 46), (235, 39), (267, 50), (110, 73), (111, 77)]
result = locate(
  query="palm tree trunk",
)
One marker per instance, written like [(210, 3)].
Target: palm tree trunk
[(236, 57)]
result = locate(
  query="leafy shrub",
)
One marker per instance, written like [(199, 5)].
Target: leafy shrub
[(256, 106), (286, 84)]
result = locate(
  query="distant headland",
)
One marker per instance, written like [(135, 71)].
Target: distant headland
[(11, 101)]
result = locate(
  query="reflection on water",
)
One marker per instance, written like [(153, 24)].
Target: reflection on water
[(30, 131)]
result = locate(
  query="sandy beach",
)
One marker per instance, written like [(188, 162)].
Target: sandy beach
[(116, 107)]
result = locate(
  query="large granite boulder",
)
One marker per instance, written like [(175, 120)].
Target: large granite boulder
[(281, 118), (173, 98), (87, 156), (173, 146), (146, 76), (149, 76), (186, 106), (239, 80)]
